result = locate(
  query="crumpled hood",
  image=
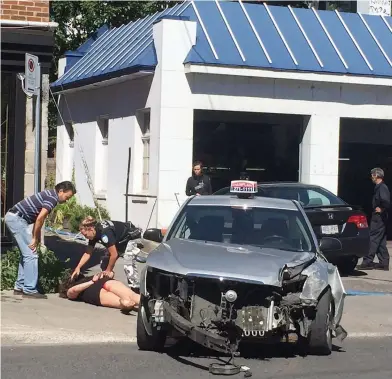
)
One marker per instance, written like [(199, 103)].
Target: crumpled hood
[(209, 259)]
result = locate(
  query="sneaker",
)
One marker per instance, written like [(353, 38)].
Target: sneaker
[(36, 295), (18, 292), (379, 266), (366, 266)]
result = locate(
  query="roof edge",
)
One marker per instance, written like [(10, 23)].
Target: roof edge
[(77, 85), (256, 72)]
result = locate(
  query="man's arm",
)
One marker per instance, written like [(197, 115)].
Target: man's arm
[(385, 198), (39, 222)]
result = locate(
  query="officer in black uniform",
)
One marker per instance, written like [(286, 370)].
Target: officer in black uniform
[(199, 183), (378, 226), (114, 235)]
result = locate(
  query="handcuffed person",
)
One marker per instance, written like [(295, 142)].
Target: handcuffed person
[(100, 291)]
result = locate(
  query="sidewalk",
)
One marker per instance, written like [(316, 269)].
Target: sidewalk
[(60, 321)]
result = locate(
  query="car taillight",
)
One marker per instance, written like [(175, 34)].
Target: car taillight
[(359, 220)]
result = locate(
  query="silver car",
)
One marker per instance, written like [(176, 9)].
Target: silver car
[(238, 268)]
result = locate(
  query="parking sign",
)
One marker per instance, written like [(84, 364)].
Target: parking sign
[(32, 73)]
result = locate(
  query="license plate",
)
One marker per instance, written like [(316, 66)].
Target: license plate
[(329, 229)]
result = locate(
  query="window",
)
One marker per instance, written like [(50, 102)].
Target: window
[(70, 131), (101, 155), (145, 127), (259, 227)]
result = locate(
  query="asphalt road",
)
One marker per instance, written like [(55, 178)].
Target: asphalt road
[(358, 358)]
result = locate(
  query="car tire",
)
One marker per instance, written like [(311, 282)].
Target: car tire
[(320, 334), (145, 341), (347, 265)]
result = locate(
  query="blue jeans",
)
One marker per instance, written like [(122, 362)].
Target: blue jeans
[(28, 265)]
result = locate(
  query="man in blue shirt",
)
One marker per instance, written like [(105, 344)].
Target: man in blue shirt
[(33, 210)]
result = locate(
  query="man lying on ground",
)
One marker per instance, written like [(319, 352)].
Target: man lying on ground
[(100, 291)]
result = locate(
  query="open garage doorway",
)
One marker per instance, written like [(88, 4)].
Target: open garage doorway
[(364, 144), (264, 145)]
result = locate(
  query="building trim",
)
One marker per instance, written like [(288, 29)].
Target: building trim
[(288, 75), (102, 82), (32, 24)]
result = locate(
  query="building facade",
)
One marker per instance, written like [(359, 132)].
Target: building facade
[(25, 28), (286, 94)]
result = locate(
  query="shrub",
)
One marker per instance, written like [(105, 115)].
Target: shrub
[(50, 270), (70, 214)]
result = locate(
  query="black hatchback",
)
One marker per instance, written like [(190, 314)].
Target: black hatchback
[(329, 215)]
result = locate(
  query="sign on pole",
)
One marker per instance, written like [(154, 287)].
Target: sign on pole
[(32, 74)]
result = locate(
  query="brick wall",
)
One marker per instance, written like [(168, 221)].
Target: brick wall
[(25, 10)]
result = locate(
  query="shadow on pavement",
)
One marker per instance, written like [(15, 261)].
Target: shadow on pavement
[(185, 352), (65, 249)]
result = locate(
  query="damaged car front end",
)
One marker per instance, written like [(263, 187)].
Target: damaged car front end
[(221, 290)]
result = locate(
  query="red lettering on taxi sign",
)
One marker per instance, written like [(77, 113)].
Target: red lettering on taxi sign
[(243, 186)]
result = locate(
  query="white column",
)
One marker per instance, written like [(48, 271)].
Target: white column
[(171, 122), (319, 152)]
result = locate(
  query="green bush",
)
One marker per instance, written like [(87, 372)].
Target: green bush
[(50, 270), (70, 214)]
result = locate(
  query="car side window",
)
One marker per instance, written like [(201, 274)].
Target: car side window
[(316, 198)]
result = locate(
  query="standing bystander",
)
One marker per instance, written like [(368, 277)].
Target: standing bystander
[(33, 210), (378, 226), (199, 183)]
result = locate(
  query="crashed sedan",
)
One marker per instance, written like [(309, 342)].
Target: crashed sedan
[(235, 269)]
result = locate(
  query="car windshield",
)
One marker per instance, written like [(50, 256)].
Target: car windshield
[(308, 196), (261, 227)]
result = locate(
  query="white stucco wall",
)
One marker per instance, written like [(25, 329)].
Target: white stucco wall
[(119, 102)]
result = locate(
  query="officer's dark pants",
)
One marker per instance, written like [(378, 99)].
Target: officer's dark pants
[(378, 241)]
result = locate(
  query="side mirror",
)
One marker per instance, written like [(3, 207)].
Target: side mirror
[(153, 234), (329, 244)]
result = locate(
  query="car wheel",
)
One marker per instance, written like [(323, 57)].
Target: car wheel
[(347, 265), (151, 339), (320, 335)]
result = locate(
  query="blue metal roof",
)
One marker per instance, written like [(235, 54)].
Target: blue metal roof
[(235, 33)]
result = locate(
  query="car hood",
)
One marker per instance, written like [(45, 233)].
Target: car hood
[(232, 262)]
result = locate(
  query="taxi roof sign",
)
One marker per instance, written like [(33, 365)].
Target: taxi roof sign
[(243, 187)]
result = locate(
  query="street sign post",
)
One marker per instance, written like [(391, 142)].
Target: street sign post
[(33, 87)]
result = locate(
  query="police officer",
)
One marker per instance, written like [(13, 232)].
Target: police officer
[(114, 235), (199, 183), (378, 225)]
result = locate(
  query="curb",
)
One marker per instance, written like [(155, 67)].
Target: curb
[(19, 338)]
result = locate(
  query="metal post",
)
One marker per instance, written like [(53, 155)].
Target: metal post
[(37, 154), (127, 184)]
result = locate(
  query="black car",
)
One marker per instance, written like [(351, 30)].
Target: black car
[(329, 215)]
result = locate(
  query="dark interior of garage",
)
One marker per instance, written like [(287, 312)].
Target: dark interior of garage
[(364, 144), (264, 145)]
